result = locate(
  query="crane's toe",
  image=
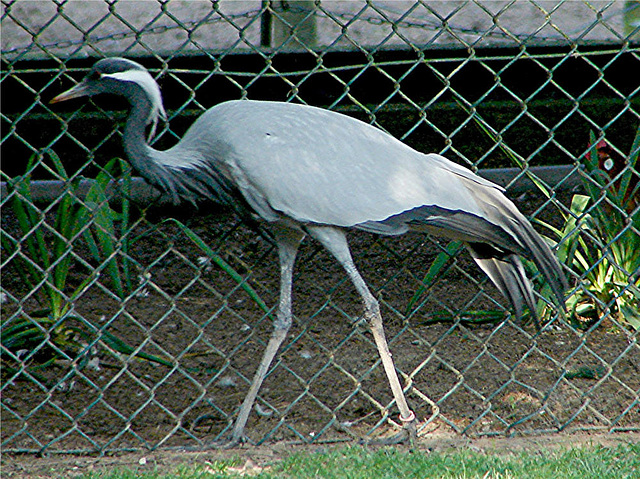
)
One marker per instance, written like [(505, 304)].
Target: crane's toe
[(407, 435), (229, 442)]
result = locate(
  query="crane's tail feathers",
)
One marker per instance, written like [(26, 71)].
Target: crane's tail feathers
[(511, 234), (507, 273), (536, 249), (506, 231), (547, 263), (502, 213), (495, 242)]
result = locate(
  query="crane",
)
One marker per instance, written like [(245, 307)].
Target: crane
[(303, 170)]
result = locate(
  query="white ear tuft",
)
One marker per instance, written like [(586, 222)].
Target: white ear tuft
[(151, 88)]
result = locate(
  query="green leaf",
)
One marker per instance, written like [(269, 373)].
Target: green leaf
[(222, 264), (434, 271), (122, 347), (57, 164), (585, 372), (20, 333), (629, 172)]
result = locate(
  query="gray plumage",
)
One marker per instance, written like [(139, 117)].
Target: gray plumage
[(305, 170)]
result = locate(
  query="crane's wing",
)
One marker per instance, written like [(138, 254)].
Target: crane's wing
[(328, 168)]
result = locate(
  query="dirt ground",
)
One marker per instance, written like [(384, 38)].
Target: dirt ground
[(472, 384)]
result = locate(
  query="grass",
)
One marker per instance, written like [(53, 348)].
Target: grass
[(621, 461)]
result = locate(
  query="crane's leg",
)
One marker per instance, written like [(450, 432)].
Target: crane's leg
[(288, 240), (336, 242)]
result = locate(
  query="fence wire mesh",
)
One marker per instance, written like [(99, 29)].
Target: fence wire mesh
[(122, 329)]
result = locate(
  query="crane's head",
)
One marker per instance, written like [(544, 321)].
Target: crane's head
[(123, 77)]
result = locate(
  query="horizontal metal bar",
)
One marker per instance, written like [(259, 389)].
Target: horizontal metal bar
[(557, 177), (45, 191), (561, 177)]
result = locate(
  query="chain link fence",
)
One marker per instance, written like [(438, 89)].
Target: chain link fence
[(123, 329)]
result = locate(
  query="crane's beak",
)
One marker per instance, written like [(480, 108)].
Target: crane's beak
[(77, 91)]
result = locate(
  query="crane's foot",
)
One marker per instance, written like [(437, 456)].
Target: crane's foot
[(403, 437), (229, 443), (407, 435)]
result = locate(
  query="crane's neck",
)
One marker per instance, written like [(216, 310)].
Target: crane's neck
[(144, 159), (182, 173), (140, 154)]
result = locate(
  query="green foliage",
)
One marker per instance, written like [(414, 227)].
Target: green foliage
[(599, 241), (42, 255), (222, 264)]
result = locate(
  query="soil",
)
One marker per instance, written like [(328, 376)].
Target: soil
[(470, 380)]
